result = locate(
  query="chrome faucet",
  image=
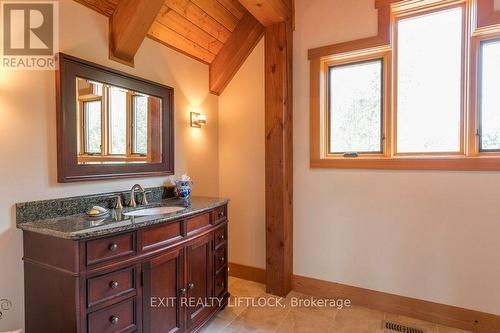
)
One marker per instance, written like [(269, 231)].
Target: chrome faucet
[(132, 195)]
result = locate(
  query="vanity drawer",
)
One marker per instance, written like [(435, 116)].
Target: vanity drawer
[(104, 249), (197, 223), (109, 286), (219, 214), (221, 283), (220, 236), (157, 236), (220, 258), (117, 318)]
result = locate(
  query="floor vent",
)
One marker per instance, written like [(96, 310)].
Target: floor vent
[(396, 327)]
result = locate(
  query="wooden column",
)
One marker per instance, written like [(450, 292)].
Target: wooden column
[(279, 159)]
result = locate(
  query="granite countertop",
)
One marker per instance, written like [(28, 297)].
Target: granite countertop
[(80, 226)]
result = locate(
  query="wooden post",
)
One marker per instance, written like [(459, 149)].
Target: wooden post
[(279, 159)]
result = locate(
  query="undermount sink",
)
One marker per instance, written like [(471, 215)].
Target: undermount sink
[(155, 211)]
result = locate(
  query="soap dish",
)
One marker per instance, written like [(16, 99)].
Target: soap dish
[(97, 211)]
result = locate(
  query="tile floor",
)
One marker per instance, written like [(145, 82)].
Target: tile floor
[(238, 317)]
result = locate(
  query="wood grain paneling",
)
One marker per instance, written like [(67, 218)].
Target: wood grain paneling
[(172, 39), (218, 12), (235, 7), (279, 157), (197, 16), (178, 23), (234, 52)]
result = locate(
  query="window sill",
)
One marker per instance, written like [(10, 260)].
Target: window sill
[(457, 163)]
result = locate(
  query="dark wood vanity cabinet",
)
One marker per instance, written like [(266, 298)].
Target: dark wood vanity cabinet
[(169, 277)]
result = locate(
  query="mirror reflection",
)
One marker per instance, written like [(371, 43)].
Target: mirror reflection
[(117, 125)]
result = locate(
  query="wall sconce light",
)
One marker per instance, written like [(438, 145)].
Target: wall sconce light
[(198, 119)]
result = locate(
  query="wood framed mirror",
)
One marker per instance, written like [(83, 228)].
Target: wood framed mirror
[(111, 124)]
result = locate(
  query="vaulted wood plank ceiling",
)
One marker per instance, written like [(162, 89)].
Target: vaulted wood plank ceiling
[(198, 28), (218, 32)]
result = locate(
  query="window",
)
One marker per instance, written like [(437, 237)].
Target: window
[(489, 124), (116, 125), (118, 121), (92, 126), (139, 124), (429, 82), (355, 108), (422, 94)]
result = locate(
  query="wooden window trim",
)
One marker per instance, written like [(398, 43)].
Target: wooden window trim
[(325, 64), (469, 159)]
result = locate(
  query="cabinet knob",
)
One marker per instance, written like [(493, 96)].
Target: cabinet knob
[(114, 320), (190, 285), (114, 284), (221, 214), (221, 259), (222, 237), (182, 291), (113, 247), (221, 284)]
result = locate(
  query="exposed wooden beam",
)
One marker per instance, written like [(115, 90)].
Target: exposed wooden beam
[(129, 26), (234, 52), (269, 12), (279, 159), (105, 7)]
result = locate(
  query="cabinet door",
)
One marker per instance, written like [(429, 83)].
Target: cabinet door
[(199, 279), (163, 281)]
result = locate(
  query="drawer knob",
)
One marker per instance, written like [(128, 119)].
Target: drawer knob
[(222, 237), (113, 247), (114, 284), (221, 214), (221, 259), (182, 291), (221, 285), (114, 320), (190, 285)]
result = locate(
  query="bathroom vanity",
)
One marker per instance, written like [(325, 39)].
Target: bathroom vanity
[(156, 273)]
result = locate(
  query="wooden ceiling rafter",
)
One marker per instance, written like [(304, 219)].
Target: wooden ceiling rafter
[(128, 26), (269, 12), (234, 52)]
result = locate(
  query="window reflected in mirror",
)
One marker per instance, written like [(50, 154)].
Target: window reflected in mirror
[(117, 125)]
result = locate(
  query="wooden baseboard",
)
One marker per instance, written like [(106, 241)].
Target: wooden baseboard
[(441, 314), (247, 272), (432, 312)]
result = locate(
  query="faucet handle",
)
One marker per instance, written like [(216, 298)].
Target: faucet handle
[(145, 198), (119, 204)]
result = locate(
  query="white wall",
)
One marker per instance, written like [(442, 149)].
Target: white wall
[(428, 235), (241, 160), (28, 134)]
